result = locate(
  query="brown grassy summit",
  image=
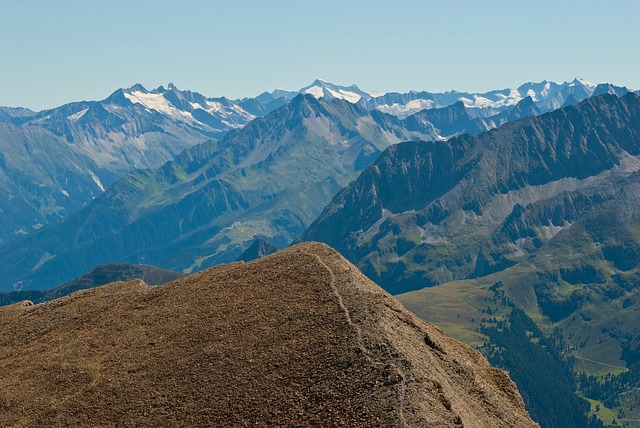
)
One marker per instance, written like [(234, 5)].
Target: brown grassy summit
[(297, 338)]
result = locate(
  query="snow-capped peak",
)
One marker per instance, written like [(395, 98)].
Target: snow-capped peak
[(153, 102), (321, 88), (137, 88), (375, 94), (583, 82)]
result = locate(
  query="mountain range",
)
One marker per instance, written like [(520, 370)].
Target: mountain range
[(495, 189), (270, 179), (546, 95), (184, 111), (56, 161)]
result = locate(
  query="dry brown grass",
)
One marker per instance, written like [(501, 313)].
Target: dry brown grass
[(298, 338)]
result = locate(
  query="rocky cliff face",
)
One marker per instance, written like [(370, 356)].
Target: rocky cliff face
[(298, 338)]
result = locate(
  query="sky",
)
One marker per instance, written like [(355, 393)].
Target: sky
[(55, 52)]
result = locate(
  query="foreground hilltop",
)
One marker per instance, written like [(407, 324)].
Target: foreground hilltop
[(296, 338)]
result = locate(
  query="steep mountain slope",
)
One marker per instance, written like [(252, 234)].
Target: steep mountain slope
[(14, 112), (298, 338), (272, 178), (100, 275), (43, 178), (56, 161), (459, 204)]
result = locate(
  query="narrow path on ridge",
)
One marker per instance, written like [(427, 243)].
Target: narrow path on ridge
[(359, 339)]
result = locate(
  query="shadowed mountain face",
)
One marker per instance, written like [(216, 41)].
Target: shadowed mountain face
[(297, 338), (542, 213), (428, 212), (100, 275)]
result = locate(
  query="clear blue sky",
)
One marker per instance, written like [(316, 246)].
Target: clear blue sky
[(53, 52)]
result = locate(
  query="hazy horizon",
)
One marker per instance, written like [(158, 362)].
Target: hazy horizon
[(72, 50)]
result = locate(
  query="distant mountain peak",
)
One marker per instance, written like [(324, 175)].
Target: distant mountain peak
[(304, 99), (138, 88), (607, 88), (118, 98), (323, 89), (320, 82), (327, 84), (526, 100), (583, 82)]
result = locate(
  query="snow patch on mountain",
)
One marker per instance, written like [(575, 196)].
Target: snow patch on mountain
[(316, 91), (158, 103), (375, 94), (496, 101), (96, 180), (45, 258), (77, 115), (403, 110), (352, 97), (551, 230), (585, 83)]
